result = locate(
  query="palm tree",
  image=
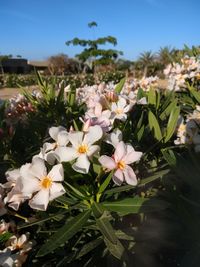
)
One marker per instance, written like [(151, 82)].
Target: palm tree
[(146, 59), (165, 55)]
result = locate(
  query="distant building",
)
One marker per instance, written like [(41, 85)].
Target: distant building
[(22, 66), (39, 65), (16, 65)]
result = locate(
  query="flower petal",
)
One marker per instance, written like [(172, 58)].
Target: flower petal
[(66, 153), (57, 173), (40, 200), (53, 132), (13, 175), (62, 138), (56, 190), (29, 185), (114, 138), (92, 150), (76, 138), (120, 151), (131, 155), (107, 162), (93, 135), (118, 177), (38, 168), (130, 176), (82, 164)]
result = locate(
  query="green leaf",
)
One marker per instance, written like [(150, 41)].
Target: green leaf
[(169, 156), (120, 85), (5, 236), (195, 93), (172, 123), (168, 110), (106, 229), (153, 123), (140, 133), (64, 233), (152, 97), (89, 247), (105, 183), (153, 177), (119, 189), (127, 205), (135, 205), (77, 192), (103, 223), (117, 249)]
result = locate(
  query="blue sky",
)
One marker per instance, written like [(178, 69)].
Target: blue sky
[(37, 29)]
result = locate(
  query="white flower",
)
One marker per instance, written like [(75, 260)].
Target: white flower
[(20, 243), (119, 109), (82, 148), (35, 179), (60, 136), (15, 197)]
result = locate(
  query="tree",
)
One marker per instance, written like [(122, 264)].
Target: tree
[(165, 55), (61, 63), (94, 55), (146, 59)]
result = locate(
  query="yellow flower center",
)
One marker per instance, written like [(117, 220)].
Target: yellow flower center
[(121, 165), (46, 182), (82, 149), (119, 111)]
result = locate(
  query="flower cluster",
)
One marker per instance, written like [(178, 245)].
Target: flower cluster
[(178, 74), (18, 108), (188, 130)]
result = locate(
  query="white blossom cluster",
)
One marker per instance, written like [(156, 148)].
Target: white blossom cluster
[(178, 74)]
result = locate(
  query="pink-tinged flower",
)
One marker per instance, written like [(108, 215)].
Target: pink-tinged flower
[(123, 156), (97, 116), (35, 179), (82, 148)]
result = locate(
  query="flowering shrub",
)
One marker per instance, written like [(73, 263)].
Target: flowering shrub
[(95, 174)]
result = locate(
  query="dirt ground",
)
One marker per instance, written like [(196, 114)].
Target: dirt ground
[(6, 93)]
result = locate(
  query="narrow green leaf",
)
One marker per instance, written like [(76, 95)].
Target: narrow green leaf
[(64, 233), (153, 123), (105, 183), (169, 156), (89, 247), (172, 123), (106, 229), (117, 249), (77, 192), (168, 110), (97, 209), (120, 85), (119, 189), (135, 205), (153, 177), (195, 93), (127, 205), (152, 96)]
